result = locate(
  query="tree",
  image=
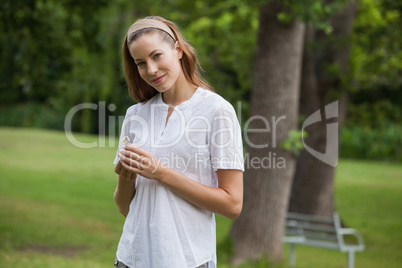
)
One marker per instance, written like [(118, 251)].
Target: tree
[(275, 95), (324, 79), (376, 49), (224, 35), (38, 39), (46, 47)]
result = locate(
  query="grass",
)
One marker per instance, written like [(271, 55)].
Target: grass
[(57, 210)]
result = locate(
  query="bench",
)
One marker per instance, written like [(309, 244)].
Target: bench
[(322, 232)]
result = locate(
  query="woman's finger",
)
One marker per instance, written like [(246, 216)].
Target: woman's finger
[(131, 169), (131, 155), (125, 172), (129, 160), (118, 167), (137, 150)]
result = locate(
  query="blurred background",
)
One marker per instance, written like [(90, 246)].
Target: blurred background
[(56, 205)]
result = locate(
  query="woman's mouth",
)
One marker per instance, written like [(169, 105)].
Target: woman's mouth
[(158, 79)]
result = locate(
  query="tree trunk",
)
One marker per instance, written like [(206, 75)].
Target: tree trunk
[(313, 185), (269, 170)]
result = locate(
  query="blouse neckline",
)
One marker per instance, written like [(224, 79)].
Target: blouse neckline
[(182, 105)]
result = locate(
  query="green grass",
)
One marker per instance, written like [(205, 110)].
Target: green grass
[(368, 198), (57, 210)]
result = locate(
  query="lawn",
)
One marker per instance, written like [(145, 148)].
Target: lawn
[(57, 210)]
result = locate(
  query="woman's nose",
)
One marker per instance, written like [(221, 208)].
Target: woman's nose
[(152, 68)]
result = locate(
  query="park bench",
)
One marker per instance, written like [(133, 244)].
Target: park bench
[(322, 232)]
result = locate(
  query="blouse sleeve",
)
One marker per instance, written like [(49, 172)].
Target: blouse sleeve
[(226, 144), (125, 129)]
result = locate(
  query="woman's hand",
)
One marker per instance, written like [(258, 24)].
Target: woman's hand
[(118, 167), (225, 200), (125, 189), (123, 172), (140, 161)]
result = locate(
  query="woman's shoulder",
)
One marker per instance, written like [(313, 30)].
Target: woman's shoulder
[(214, 98), (216, 102), (133, 109)]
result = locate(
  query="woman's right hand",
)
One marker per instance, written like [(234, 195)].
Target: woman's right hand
[(123, 172), (118, 167), (125, 189)]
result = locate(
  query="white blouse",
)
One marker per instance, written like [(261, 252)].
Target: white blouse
[(201, 136)]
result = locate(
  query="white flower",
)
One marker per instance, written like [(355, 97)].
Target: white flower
[(126, 140)]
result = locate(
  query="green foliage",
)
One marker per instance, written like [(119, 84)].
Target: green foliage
[(293, 142), (31, 115), (376, 52), (377, 115), (77, 57), (372, 143), (57, 54), (313, 12), (373, 130), (224, 35), (38, 39)]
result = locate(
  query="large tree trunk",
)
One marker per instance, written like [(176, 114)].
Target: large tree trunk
[(259, 229), (313, 184)]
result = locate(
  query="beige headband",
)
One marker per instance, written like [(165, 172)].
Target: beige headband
[(149, 23)]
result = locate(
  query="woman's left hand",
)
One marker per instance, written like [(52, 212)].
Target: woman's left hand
[(225, 200), (142, 162)]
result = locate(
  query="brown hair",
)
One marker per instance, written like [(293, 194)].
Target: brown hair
[(140, 90)]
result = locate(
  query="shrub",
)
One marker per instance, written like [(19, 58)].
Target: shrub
[(372, 143), (31, 115)]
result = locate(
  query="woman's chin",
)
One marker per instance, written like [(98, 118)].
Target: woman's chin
[(161, 88)]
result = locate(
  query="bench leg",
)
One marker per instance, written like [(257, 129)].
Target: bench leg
[(292, 255), (351, 259)]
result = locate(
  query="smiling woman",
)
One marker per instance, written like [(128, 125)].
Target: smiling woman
[(185, 162), (158, 63), (168, 32)]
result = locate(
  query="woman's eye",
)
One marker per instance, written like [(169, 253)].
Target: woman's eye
[(157, 55), (139, 64)]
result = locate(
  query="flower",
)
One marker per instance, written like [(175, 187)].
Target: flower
[(126, 140)]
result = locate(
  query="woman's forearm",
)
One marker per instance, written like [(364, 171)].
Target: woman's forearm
[(124, 193), (226, 201)]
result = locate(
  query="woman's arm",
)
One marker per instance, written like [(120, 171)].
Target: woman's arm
[(125, 189), (225, 200)]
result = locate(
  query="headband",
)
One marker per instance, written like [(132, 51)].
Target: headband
[(149, 23)]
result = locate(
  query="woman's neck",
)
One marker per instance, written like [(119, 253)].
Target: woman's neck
[(179, 93)]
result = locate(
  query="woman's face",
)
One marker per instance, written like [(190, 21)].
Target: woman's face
[(157, 61)]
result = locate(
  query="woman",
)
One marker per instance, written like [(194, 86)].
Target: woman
[(186, 160)]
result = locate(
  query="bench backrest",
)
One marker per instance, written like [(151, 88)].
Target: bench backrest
[(317, 231)]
